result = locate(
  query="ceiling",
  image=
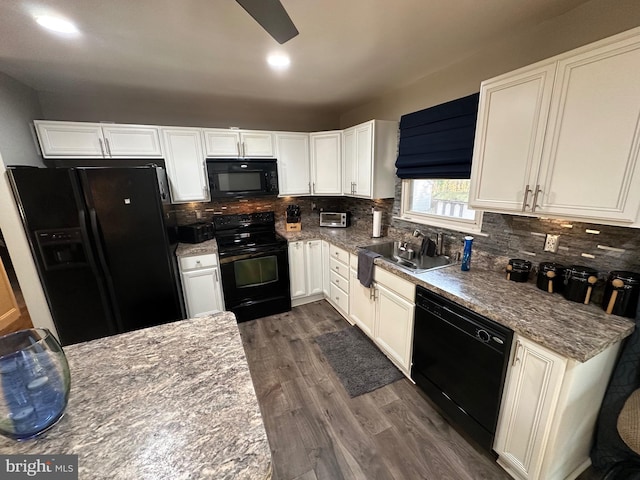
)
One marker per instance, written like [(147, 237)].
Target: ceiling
[(347, 51)]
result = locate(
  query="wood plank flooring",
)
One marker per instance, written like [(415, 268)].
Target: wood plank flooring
[(316, 431)]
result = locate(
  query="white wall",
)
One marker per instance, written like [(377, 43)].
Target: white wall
[(589, 22), (158, 108), (18, 106)]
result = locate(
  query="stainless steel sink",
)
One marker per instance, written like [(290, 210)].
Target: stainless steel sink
[(407, 256)]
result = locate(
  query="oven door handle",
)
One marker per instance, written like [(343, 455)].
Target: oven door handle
[(254, 254)]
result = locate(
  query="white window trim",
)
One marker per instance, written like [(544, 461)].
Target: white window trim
[(458, 224)]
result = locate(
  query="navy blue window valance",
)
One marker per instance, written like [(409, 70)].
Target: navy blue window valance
[(438, 142)]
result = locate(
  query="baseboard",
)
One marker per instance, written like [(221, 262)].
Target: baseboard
[(296, 302)]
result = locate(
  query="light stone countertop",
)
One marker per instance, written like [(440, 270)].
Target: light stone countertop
[(571, 329), (175, 401)]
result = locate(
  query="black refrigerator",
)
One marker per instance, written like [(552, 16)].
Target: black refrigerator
[(103, 245)]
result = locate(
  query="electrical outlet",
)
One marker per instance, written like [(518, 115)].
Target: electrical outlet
[(551, 243)]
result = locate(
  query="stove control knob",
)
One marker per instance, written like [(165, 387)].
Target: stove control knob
[(483, 335)]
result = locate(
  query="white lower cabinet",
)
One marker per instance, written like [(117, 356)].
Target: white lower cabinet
[(305, 271), (384, 312), (337, 268), (549, 409), (201, 285), (362, 311), (325, 268)]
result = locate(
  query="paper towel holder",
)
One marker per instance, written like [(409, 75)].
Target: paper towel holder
[(377, 224)]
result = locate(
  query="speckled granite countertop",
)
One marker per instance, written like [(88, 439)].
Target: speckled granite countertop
[(571, 329), (190, 249), (174, 401)]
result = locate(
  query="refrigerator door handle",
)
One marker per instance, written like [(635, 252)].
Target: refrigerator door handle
[(98, 274), (93, 220)]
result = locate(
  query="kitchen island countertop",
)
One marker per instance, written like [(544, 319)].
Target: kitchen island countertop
[(174, 401)]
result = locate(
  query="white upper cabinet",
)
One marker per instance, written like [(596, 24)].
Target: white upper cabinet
[(185, 163), (220, 142), (369, 152), (95, 140), (292, 152), (326, 163), (562, 137), (512, 117)]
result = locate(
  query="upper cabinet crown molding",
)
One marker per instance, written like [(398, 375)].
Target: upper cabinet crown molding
[(561, 138), (221, 142), (97, 140)]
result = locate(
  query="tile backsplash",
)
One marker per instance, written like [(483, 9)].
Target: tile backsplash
[(602, 247)]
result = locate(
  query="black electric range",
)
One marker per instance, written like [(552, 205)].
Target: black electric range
[(254, 265)]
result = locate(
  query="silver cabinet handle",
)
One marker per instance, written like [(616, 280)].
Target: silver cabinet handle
[(198, 264), (243, 151), (215, 275), (526, 195), (309, 187), (372, 293), (313, 187), (101, 147), (106, 142), (535, 198), (239, 151), (515, 354)]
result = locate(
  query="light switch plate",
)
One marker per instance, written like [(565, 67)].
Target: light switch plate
[(551, 243)]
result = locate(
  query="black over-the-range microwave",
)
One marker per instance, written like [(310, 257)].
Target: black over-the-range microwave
[(242, 177)]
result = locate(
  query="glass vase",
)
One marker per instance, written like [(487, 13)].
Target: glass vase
[(34, 383)]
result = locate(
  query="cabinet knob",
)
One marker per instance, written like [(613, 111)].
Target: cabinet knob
[(198, 263)]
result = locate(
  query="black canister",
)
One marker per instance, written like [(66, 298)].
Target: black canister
[(518, 270), (550, 277), (621, 293), (578, 283)]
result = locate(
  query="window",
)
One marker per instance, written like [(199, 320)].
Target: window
[(439, 202)]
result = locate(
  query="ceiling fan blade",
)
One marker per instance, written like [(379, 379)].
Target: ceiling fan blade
[(272, 16)]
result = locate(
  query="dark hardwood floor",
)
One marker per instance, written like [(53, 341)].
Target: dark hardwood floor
[(316, 431)]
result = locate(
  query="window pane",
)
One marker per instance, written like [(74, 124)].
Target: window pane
[(443, 198), (256, 271)]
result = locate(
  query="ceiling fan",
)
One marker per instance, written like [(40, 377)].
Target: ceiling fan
[(272, 16)]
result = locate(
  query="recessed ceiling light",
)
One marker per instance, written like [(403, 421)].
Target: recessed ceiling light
[(279, 61), (57, 24)]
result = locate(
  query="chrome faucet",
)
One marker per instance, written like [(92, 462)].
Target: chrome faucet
[(439, 241)]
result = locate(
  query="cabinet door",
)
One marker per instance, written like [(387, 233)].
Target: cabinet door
[(70, 139), (531, 393), (202, 292), (361, 304), (394, 326), (131, 141), (326, 161), (256, 144), (349, 161), (326, 268), (297, 275), (364, 160), (590, 161), (221, 142), (512, 116), (186, 168), (313, 264), (293, 163)]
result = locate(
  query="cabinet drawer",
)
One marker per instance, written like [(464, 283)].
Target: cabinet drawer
[(393, 282), (339, 254), (198, 261), (339, 281), (339, 298), (339, 268)]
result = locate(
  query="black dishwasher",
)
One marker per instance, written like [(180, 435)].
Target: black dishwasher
[(460, 360)]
